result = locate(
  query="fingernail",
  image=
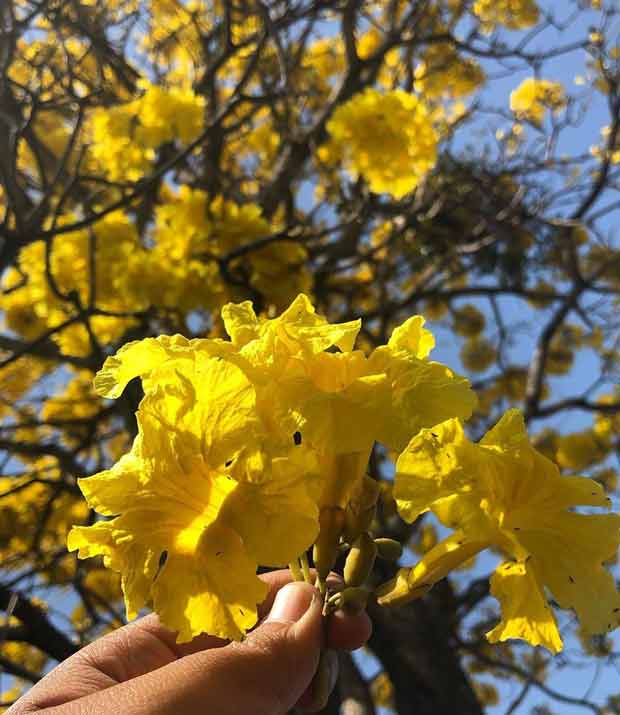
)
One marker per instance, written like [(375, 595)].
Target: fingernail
[(291, 602)]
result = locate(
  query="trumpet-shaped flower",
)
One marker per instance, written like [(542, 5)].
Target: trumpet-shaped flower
[(422, 391), (502, 493), (342, 402), (201, 499), (513, 14)]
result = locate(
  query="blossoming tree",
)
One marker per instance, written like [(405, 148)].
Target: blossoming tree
[(220, 226)]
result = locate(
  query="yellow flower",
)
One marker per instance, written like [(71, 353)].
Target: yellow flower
[(17, 379), (387, 138), (201, 499), (443, 72), (513, 14), (478, 354), (33, 307), (382, 691), (581, 450), (389, 395), (9, 696), (21, 653), (341, 402), (533, 97), (23, 498), (103, 588), (191, 230), (423, 392), (125, 137), (501, 493)]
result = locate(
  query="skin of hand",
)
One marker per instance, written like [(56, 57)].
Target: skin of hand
[(140, 669)]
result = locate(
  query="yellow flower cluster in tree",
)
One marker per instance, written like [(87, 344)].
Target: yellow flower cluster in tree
[(53, 280), (242, 445), (24, 499), (502, 493), (513, 14), (442, 72), (387, 138), (125, 138), (533, 97), (22, 654), (192, 231), (178, 271), (103, 588)]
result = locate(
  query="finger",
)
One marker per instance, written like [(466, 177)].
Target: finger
[(348, 631)]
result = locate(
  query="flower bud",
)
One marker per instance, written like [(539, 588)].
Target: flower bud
[(389, 549), (326, 548), (358, 523), (360, 560), (353, 598)]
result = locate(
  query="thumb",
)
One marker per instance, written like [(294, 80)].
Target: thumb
[(268, 673)]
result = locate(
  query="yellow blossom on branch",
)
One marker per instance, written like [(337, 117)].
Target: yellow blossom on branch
[(531, 99), (442, 72), (387, 138), (127, 136), (512, 14)]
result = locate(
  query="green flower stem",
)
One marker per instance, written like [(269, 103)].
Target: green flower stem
[(321, 584), (305, 567), (295, 571)]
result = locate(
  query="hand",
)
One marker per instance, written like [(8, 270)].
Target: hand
[(140, 669)]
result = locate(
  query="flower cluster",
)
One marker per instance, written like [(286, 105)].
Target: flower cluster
[(252, 449), (126, 137), (513, 14), (442, 72), (54, 278), (388, 138), (531, 99), (243, 446), (192, 230), (109, 269)]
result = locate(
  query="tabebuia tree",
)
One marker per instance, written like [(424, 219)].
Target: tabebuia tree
[(231, 235)]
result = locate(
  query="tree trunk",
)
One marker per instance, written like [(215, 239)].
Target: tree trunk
[(415, 646)]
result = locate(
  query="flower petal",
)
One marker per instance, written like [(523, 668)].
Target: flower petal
[(525, 611), (136, 563), (413, 338), (137, 359), (214, 591), (274, 507), (433, 466)]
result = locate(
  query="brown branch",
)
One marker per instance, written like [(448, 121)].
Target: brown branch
[(40, 631)]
